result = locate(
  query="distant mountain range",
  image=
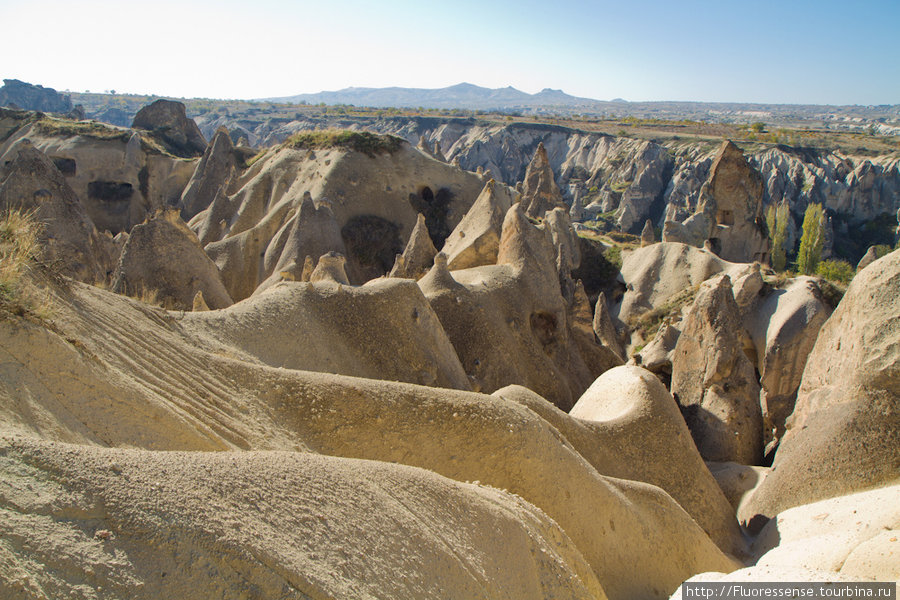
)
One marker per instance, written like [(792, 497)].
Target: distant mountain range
[(463, 95)]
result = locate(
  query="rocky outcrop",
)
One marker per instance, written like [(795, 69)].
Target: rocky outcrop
[(540, 192), (636, 408), (730, 211), (211, 176), (867, 259), (418, 256), (311, 232), (713, 380), (374, 201), (648, 236), (331, 268), (783, 326), (168, 120), (162, 257), (844, 433), (659, 273), (31, 182), (515, 305), (33, 97), (248, 409), (604, 328), (476, 240)]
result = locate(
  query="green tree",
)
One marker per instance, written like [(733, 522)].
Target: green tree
[(777, 218), (812, 240)]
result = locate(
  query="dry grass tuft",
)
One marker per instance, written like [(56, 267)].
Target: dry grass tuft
[(20, 256)]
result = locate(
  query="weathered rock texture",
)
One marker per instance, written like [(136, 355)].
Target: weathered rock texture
[(163, 257), (118, 177), (627, 404), (228, 404), (713, 380), (31, 182), (168, 120), (476, 240), (374, 200), (844, 433), (418, 256), (211, 177), (540, 193), (33, 97), (517, 306), (730, 211), (783, 325)]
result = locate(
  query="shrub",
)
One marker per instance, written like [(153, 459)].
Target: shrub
[(836, 270)]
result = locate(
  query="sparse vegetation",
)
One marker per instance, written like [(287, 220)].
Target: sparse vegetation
[(360, 141), (648, 323), (92, 129), (620, 186), (20, 254)]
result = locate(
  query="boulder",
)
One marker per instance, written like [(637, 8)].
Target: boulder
[(164, 257), (713, 380), (213, 173), (168, 120), (330, 267), (476, 240), (418, 256), (844, 433)]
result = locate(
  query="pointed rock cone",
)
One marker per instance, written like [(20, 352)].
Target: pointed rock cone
[(476, 240), (418, 256), (540, 192), (212, 174), (648, 236), (330, 268), (604, 329)]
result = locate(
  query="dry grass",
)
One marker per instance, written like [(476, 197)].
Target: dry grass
[(360, 141), (20, 257)]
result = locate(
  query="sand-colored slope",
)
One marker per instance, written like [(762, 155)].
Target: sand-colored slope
[(129, 360), (385, 329), (79, 521)]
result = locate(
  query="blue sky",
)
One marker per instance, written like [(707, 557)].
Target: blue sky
[(787, 51)]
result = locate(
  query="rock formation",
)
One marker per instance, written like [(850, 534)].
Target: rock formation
[(647, 234), (844, 433), (31, 182), (783, 326), (713, 380), (418, 256), (33, 97), (604, 329), (164, 257), (730, 211), (867, 259), (540, 192), (515, 305), (212, 174), (168, 119), (476, 240)]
